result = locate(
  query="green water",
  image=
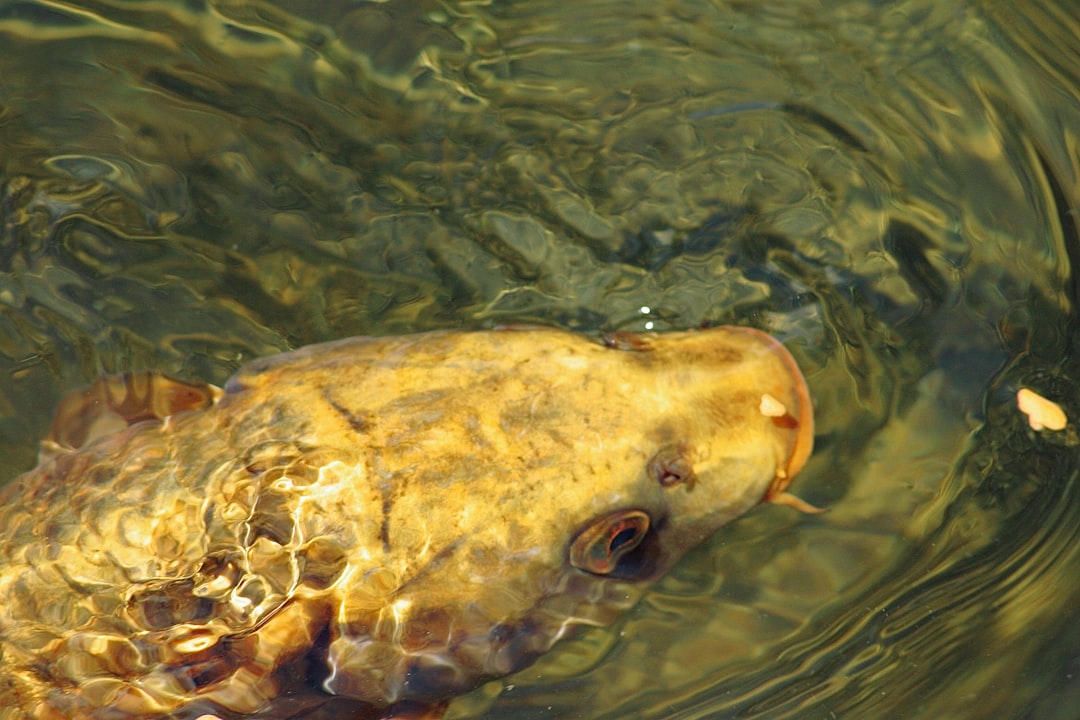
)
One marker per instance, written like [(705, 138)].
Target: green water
[(893, 188)]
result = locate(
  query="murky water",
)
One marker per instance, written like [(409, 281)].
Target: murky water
[(892, 188)]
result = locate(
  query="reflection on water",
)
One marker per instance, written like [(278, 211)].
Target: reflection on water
[(891, 188)]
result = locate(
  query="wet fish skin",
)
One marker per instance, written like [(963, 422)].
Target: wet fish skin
[(397, 519)]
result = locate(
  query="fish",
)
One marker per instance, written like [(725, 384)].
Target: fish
[(368, 527)]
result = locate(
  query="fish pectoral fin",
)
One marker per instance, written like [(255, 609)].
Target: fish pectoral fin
[(318, 706), (115, 402), (412, 710)]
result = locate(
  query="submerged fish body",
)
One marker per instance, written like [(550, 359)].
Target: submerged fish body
[(390, 520)]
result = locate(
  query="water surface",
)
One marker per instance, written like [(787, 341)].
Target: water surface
[(890, 187)]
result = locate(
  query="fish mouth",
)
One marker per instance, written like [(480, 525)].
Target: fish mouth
[(803, 418)]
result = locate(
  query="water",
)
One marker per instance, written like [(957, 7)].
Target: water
[(892, 188)]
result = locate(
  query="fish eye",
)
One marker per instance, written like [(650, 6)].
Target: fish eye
[(598, 548), (670, 467)]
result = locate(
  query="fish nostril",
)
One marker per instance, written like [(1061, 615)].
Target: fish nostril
[(671, 467)]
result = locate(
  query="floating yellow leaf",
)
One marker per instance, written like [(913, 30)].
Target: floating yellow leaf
[(1042, 413)]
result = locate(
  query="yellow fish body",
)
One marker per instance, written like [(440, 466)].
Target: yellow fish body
[(373, 524)]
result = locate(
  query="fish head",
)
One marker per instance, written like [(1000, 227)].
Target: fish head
[(529, 481)]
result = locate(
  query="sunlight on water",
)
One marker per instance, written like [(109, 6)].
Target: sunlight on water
[(890, 188)]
